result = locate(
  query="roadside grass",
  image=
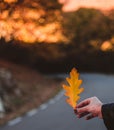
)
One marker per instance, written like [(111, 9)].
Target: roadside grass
[(35, 89)]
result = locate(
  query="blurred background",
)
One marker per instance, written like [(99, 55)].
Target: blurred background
[(40, 38)]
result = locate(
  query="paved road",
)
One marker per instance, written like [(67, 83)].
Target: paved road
[(57, 115)]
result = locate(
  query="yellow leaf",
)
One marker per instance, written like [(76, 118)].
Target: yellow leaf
[(73, 90)]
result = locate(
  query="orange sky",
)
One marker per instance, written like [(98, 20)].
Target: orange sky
[(72, 5)]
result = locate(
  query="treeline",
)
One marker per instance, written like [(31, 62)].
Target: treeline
[(86, 25), (90, 45)]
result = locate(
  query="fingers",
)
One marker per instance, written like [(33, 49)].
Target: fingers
[(89, 117), (82, 110), (75, 111), (82, 114), (83, 103)]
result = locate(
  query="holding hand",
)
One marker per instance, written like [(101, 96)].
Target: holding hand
[(90, 108)]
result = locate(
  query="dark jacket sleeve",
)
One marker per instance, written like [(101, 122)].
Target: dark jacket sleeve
[(108, 115)]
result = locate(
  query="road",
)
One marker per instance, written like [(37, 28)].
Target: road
[(56, 114)]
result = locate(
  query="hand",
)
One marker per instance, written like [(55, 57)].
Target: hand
[(90, 108)]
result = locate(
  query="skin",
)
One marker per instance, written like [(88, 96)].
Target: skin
[(90, 108)]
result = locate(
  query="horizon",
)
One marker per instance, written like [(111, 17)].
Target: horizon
[(73, 5)]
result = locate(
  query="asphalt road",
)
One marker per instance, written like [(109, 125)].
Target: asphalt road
[(57, 115)]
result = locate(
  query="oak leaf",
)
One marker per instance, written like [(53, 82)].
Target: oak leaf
[(73, 90)]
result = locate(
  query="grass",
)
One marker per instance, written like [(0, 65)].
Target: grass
[(35, 89)]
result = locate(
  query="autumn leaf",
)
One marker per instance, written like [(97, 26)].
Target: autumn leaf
[(73, 90)]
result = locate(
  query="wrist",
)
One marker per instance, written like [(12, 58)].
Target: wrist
[(100, 111)]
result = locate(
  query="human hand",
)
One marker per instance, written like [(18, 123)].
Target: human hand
[(90, 108)]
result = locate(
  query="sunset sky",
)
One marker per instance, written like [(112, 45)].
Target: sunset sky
[(72, 5)]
